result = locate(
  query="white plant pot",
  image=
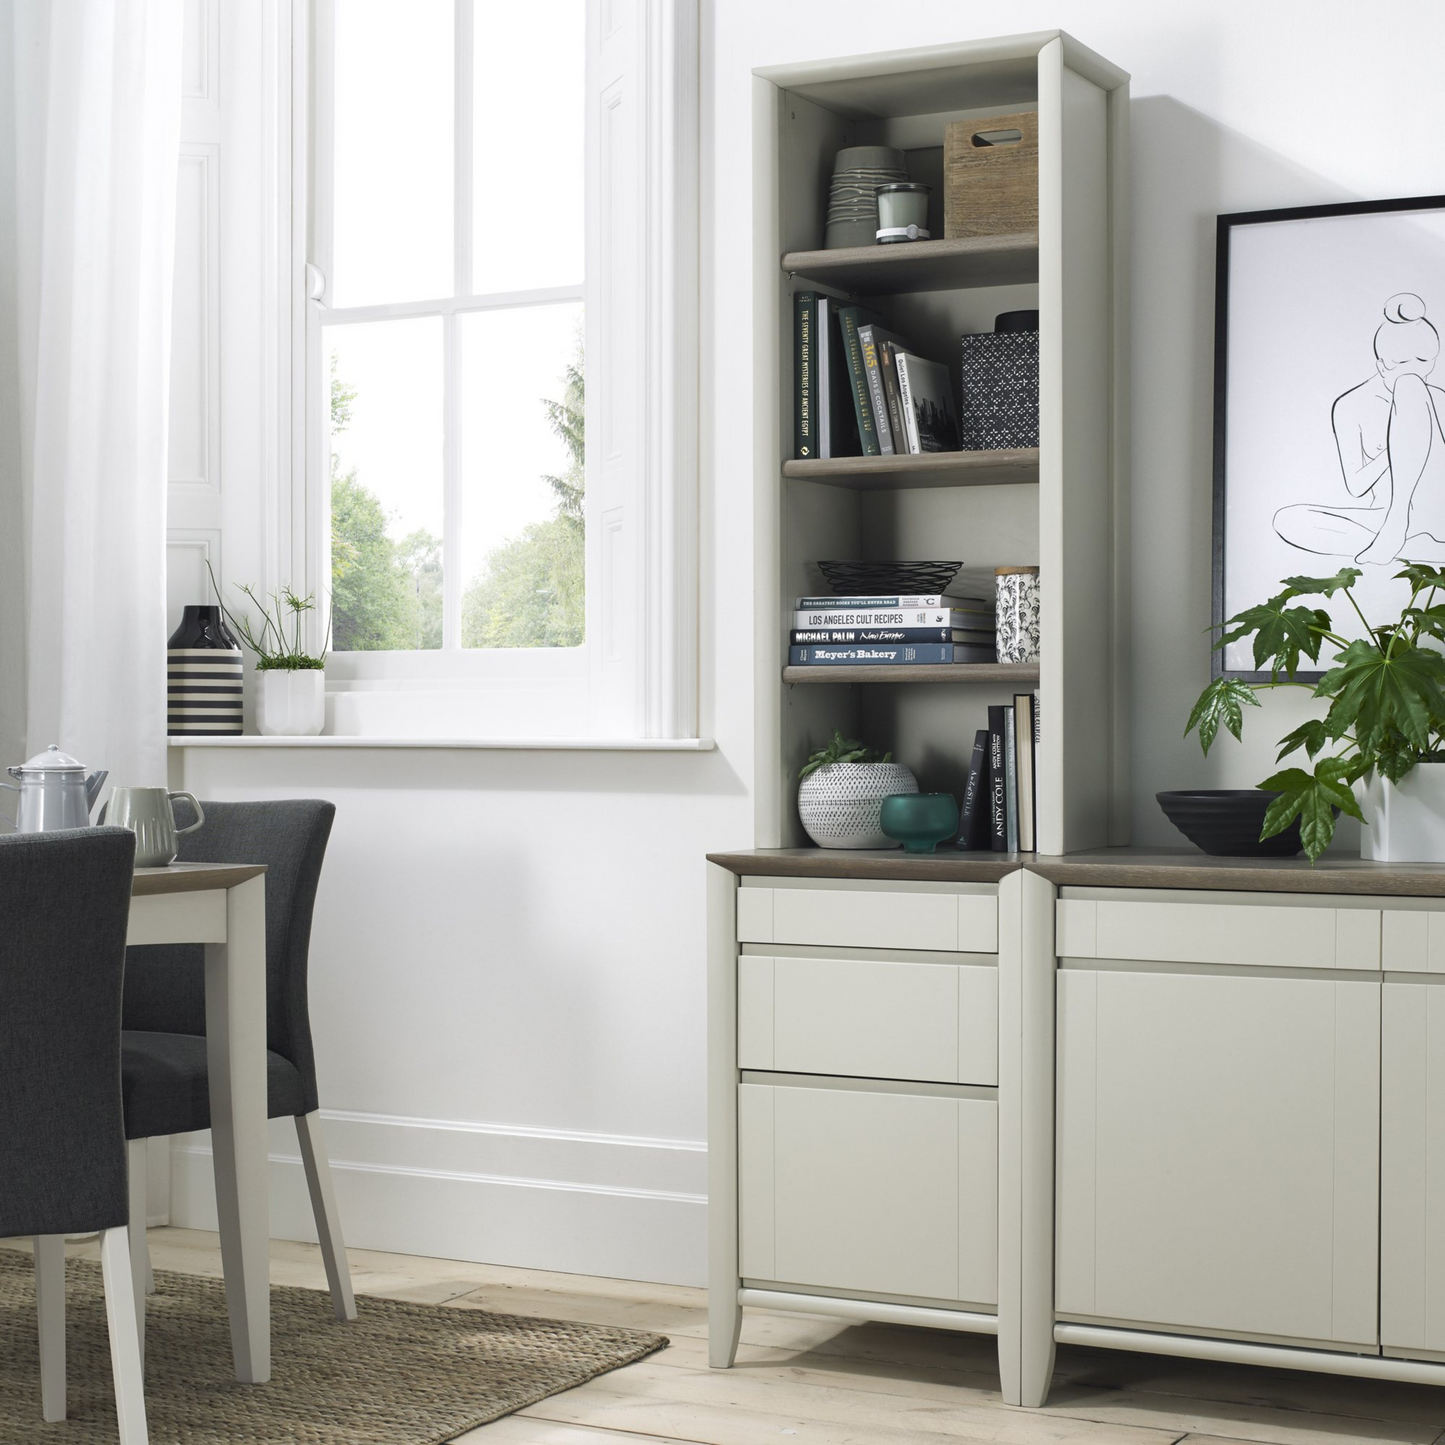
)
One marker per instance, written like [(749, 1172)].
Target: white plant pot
[(1404, 821), (839, 804), (291, 704)]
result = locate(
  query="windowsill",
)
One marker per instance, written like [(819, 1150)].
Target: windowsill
[(606, 745)]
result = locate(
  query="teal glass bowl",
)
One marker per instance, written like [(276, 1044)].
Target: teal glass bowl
[(920, 821)]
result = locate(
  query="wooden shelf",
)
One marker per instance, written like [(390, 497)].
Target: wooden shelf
[(921, 265), (991, 672), (1003, 467)]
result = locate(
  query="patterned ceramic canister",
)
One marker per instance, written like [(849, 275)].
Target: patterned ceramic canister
[(840, 804), (1017, 613), (203, 677)]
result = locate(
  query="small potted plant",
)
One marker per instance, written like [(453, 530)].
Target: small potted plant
[(290, 682), (841, 790), (1381, 742)]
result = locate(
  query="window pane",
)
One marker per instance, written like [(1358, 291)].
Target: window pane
[(393, 152), (522, 477), (528, 142), (386, 485)]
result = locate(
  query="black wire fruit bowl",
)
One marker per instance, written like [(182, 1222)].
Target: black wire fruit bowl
[(854, 579)]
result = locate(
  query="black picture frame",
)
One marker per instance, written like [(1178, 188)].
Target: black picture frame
[(1225, 226)]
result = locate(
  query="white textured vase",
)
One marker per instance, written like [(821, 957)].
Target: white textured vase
[(1405, 821), (839, 804), (291, 704)]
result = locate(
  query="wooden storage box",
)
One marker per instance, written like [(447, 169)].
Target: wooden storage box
[(990, 183)]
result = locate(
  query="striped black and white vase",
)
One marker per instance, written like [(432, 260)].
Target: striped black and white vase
[(203, 677)]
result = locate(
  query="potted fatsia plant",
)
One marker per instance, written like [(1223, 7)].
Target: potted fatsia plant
[(841, 791), (1378, 753), (290, 680)]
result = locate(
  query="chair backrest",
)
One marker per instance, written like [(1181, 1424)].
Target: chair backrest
[(64, 907), (165, 989)]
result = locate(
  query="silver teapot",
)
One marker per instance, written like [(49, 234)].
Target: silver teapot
[(55, 792)]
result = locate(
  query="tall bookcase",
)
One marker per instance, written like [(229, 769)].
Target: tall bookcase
[(1062, 506)]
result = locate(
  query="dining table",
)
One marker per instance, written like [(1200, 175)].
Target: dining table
[(222, 906)]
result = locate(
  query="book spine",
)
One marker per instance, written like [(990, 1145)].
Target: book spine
[(1011, 781), (879, 617), (973, 831), (853, 355), (1024, 767), (864, 604), (910, 418), (893, 396), (874, 634), (997, 811), (822, 396), (805, 438), (868, 654), (869, 345)]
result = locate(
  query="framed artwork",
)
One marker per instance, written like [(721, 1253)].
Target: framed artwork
[(1329, 405)]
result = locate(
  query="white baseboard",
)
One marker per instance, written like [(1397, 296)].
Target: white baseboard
[(617, 1206)]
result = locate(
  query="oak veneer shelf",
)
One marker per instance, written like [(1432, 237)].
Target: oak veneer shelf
[(1003, 467), (922, 265), (994, 672)]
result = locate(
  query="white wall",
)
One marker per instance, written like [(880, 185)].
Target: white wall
[(508, 960)]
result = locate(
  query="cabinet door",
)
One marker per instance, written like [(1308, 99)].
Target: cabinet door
[(1218, 1152), (1412, 1182), (877, 1193)]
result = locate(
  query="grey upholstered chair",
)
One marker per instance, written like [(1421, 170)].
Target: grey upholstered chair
[(163, 1046), (64, 905)]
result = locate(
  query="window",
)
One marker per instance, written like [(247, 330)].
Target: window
[(499, 360)]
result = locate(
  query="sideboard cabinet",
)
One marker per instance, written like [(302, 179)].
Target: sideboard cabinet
[(1158, 1103)]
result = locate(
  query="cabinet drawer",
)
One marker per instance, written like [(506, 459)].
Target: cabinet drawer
[(869, 1018), (869, 918), (881, 1193), (1260, 935)]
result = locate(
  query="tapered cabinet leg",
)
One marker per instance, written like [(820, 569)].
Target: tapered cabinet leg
[(50, 1316), (328, 1222), (236, 1061), (125, 1357), (136, 1161)]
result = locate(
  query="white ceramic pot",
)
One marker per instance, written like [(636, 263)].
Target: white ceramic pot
[(291, 704), (839, 804), (1405, 821)]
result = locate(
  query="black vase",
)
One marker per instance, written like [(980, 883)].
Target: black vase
[(203, 676)]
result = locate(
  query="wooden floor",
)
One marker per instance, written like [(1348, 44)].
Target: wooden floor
[(807, 1380)]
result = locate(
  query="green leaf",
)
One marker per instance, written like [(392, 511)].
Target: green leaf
[(1394, 757), (1420, 577), (1341, 581), (1311, 736), (1282, 633), (1222, 701), (1427, 620), (1336, 777), (1374, 693), (1312, 798)]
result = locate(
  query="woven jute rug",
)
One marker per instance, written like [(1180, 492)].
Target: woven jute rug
[(402, 1374)]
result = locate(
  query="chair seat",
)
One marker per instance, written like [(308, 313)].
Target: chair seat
[(166, 1090)]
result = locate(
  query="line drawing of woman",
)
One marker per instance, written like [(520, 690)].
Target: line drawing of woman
[(1391, 444)]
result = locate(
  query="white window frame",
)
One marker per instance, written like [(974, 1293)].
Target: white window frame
[(635, 676)]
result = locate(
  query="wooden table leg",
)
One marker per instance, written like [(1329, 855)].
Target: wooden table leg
[(236, 1057)]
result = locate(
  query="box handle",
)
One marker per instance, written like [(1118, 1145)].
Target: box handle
[(984, 138)]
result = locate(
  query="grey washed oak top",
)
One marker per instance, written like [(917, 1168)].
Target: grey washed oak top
[(1105, 868), (193, 877)]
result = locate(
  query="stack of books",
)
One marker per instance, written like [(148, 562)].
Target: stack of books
[(862, 391), (1000, 797), (869, 631)]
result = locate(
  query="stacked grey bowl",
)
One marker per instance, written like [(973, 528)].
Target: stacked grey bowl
[(858, 171)]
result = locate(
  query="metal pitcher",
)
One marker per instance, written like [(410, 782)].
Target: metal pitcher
[(55, 792)]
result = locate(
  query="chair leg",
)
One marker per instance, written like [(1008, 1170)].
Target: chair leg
[(136, 1161), (125, 1355), (323, 1206), (50, 1312)]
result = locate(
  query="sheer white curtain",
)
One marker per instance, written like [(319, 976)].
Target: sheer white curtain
[(89, 140)]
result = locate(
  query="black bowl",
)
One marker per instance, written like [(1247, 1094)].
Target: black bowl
[(1225, 822)]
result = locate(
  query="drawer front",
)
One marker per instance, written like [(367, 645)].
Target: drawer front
[(878, 1193), (865, 918), (1413, 940), (868, 1018), (1262, 936)]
